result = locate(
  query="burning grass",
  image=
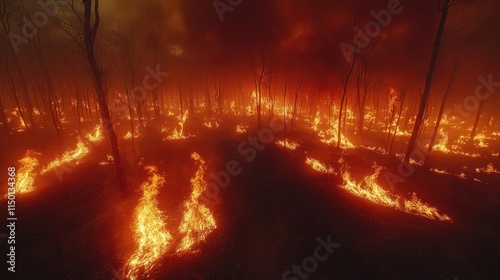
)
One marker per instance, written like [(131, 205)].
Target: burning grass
[(369, 189), (69, 156), (319, 166), (150, 232), (26, 174), (288, 144), (198, 221)]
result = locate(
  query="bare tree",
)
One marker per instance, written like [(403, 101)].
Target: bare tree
[(7, 10), (259, 73), (90, 32), (363, 80), (444, 9), (440, 115), (345, 83)]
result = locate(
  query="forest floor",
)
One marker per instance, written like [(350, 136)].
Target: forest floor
[(268, 219)]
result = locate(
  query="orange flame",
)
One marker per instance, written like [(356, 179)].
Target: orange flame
[(371, 190), (198, 221), (319, 166), (25, 175), (288, 144), (179, 134), (151, 233), (97, 136), (489, 169), (68, 156), (241, 129)]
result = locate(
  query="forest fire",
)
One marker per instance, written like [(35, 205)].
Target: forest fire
[(198, 221), (178, 134), (96, 136), (26, 174), (319, 166), (150, 232), (288, 144), (489, 169), (226, 139), (369, 189), (67, 157)]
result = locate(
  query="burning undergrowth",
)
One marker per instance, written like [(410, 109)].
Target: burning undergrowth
[(154, 237)]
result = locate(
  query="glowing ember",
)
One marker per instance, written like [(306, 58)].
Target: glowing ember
[(371, 190), (108, 161), (25, 174), (151, 233), (69, 156), (128, 135), (288, 144), (319, 166), (198, 221)]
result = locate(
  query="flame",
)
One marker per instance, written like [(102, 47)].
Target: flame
[(439, 171), (233, 107), (198, 221), (371, 190), (179, 134), (210, 125), (22, 126), (288, 144), (482, 140), (241, 129), (316, 121), (489, 169), (331, 136), (443, 141), (25, 175), (150, 234), (80, 151), (97, 136), (319, 166)]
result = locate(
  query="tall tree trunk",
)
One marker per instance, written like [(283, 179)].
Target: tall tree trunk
[(428, 83), (440, 116), (476, 122), (90, 33), (344, 94)]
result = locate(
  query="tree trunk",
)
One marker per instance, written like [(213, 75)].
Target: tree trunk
[(476, 122), (440, 116), (89, 41), (428, 83)]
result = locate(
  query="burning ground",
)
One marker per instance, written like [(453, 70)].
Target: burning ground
[(432, 226)]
